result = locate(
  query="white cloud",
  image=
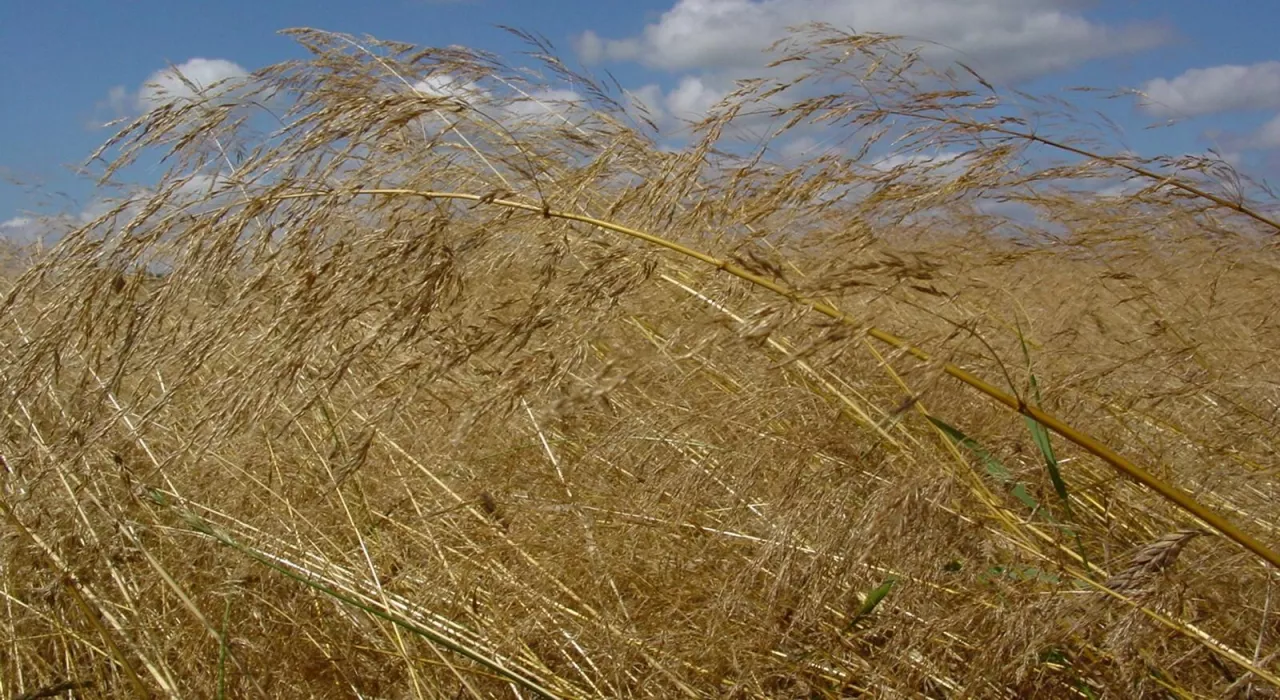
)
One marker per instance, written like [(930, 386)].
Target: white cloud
[(118, 99), (797, 149), (1120, 190), (449, 86), (23, 230), (590, 47), (1269, 135), (19, 228), (102, 206), (693, 98), (167, 86), (1212, 90), (801, 148), (201, 187), (947, 164), (1198, 167), (118, 104), (548, 107), (1004, 39), (651, 98), (105, 214), (543, 107), (27, 229)]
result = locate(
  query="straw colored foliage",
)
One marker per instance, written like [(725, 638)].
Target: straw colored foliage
[(360, 401)]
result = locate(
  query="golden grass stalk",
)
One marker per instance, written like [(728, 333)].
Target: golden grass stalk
[(1169, 491)]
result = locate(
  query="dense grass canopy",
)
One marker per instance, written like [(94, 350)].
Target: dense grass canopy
[(422, 375)]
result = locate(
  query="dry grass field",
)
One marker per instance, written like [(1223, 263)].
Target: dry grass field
[(406, 386)]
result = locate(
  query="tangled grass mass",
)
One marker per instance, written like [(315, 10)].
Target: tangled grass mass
[(422, 375)]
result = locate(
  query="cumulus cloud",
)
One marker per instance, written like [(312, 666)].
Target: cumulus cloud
[(1005, 39), (18, 228), (801, 148), (590, 47), (449, 86), (1269, 135), (543, 107), (547, 107), (24, 230), (650, 99), (116, 105), (693, 98), (1202, 91), (945, 164), (103, 214), (168, 86)]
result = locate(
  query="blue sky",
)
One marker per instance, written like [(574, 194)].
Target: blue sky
[(66, 67)]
